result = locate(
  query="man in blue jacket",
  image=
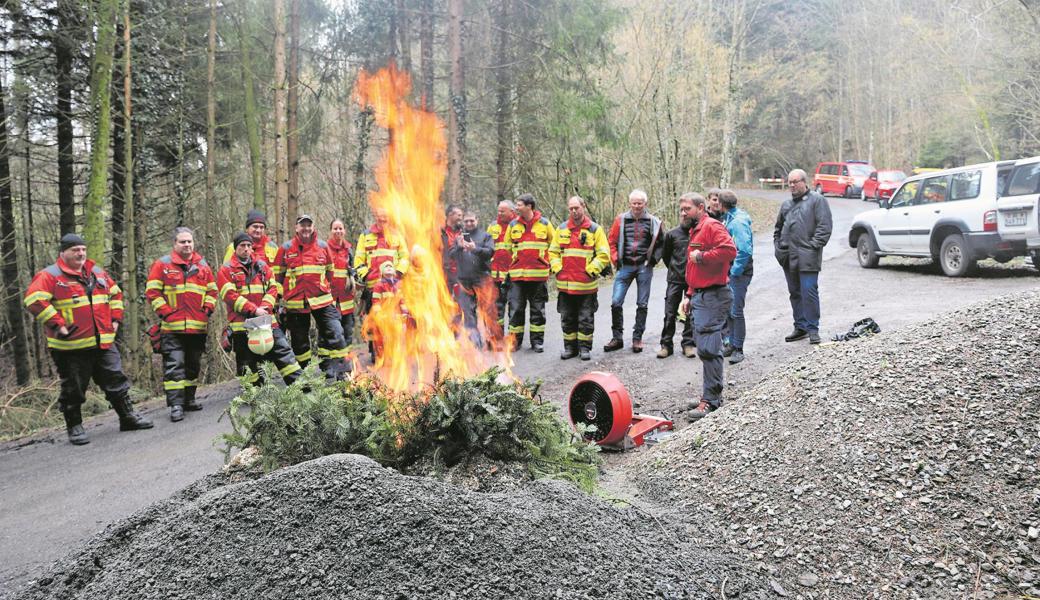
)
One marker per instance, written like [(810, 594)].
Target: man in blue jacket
[(738, 224)]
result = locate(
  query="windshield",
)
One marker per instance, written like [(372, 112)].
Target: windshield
[(891, 175), (860, 170)]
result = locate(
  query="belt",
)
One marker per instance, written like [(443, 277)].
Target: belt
[(709, 288)]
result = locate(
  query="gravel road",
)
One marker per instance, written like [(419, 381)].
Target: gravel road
[(53, 496)]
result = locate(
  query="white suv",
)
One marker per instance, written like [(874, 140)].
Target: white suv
[(1018, 207), (949, 216)]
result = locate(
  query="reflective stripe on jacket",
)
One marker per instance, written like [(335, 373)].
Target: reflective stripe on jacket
[(529, 242), (244, 288), (183, 293), (304, 272), (375, 248), (577, 255), (86, 303), (503, 255), (342, 273)]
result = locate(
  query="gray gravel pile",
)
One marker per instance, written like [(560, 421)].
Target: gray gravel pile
[(344, 527), (900, 466)]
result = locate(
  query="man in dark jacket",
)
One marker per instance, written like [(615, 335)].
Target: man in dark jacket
[(802, 230), (673, 255), (472, 257), (635, 239)]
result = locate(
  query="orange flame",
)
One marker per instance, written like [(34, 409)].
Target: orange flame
[(418, 328)]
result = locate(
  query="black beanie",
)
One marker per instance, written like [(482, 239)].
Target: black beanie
[(255, 216), (69, 240), (240, 237)]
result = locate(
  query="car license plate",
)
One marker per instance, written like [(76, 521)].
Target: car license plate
[(1016, 219)]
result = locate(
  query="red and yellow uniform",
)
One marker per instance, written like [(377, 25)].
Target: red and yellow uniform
[(503, 256), (270, 252), (183, 293), (376, 247), (577, 255), (529, 242), (343, 266), (86, 303)]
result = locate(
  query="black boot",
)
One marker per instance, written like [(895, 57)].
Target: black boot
[(74, 426), (129, 419), (190, 403), (569, 351)]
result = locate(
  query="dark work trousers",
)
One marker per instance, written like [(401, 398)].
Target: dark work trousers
[(522, 293), (182, 358), (710, 309), (280, 354), (77, 367), (347, 322), (577, 318), (332, 349), (673, 297), (466, 298), (501, 302)]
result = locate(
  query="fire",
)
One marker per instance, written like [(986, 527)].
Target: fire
[(418, 328)]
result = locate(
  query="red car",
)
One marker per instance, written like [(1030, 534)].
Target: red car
[(880, 184)]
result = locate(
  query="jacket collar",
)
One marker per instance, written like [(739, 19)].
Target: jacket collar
[(586, 222), (88, 266), (177, 260), (535, 217), (298, 242), (336, 246), (506, 222)]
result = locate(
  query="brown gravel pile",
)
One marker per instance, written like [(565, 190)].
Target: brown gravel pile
[(899, 466)]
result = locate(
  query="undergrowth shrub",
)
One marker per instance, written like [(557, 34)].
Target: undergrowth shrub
[(454, 420)]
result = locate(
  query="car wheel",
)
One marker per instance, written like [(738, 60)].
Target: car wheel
[(955, 256), (866, 251), (848, 192), (877, 197)]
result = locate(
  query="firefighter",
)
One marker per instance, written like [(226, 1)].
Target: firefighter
[(374, 247), (248, 288), (529, 237), (577, 256), (305, 269), (342, 282), (256, 227), (502, 257), (80, 307), (183, 294)]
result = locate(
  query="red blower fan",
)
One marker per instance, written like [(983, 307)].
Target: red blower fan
[(599, 400)]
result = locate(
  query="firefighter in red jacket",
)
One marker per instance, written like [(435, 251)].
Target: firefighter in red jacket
[(247, 286), (183, 293), (305, 267), (342, 282), (80, 307), (256, 227), (502, 258), (711, 251), (529, 237), (577, 256)]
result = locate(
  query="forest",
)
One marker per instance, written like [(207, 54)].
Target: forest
[(122, 119)]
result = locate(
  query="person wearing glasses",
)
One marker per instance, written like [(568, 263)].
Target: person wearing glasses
[(802, 229)]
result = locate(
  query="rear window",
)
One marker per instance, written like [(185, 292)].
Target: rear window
[(966, 185), (891, 175), (1025, 180), (860, 170)]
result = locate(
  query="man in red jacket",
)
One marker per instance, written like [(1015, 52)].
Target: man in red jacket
[(183, 293), (80, 307), (707, 275)]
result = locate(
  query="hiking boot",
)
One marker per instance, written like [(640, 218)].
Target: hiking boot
[(568, 352), (176, 413), (689, 351), (129, 419), (584, 354), (797, 334), (727, 350), (637, 346), (614, 344), (814, 337), (700, 411), (192, 405), (538, 347), (78, 435), (737, 356), (664, 352)]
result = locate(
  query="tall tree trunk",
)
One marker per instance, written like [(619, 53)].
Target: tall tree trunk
[(404, 35), (115, 265), (457, 114), (252, 129), (63, 114), (281, 175), (180, 186), (131, 341), (29, 235), (100, 102), (9, 253), (211, 131), (426, 52), (364, 129), (391, 38), (293, 140), (734, 93), (503, 101)]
